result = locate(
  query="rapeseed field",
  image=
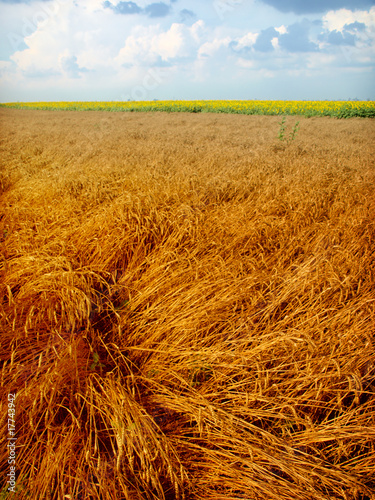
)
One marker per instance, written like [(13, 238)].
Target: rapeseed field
[(338, 109)]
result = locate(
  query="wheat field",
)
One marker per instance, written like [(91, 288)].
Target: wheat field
[(187, 306)]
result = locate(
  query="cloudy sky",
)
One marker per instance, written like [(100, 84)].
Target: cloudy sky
[(180, 49)]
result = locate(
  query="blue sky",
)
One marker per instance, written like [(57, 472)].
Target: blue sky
[(178, 49)]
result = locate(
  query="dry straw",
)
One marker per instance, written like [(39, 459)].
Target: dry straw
[(187, 306)]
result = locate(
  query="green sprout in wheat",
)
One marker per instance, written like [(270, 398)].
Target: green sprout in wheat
[(96, 362), (282, 132)]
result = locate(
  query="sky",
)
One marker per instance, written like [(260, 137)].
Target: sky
[(95, 50)]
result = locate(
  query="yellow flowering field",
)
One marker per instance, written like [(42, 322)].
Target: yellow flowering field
[(339, 109)]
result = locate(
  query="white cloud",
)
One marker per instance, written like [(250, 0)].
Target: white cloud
[(361, 53), (275, 43), (52, 39), (148, 45), (245, 63), (91, 5), (336, 20), (209, 49), (247, 41), (43, 52), (6, 68), (63, 46), (137, 47), (197, 30), (282, 30), (172, 43)]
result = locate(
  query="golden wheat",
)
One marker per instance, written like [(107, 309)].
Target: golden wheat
[(187, 306)]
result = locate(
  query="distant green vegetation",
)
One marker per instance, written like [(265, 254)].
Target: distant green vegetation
[(337, 109)]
